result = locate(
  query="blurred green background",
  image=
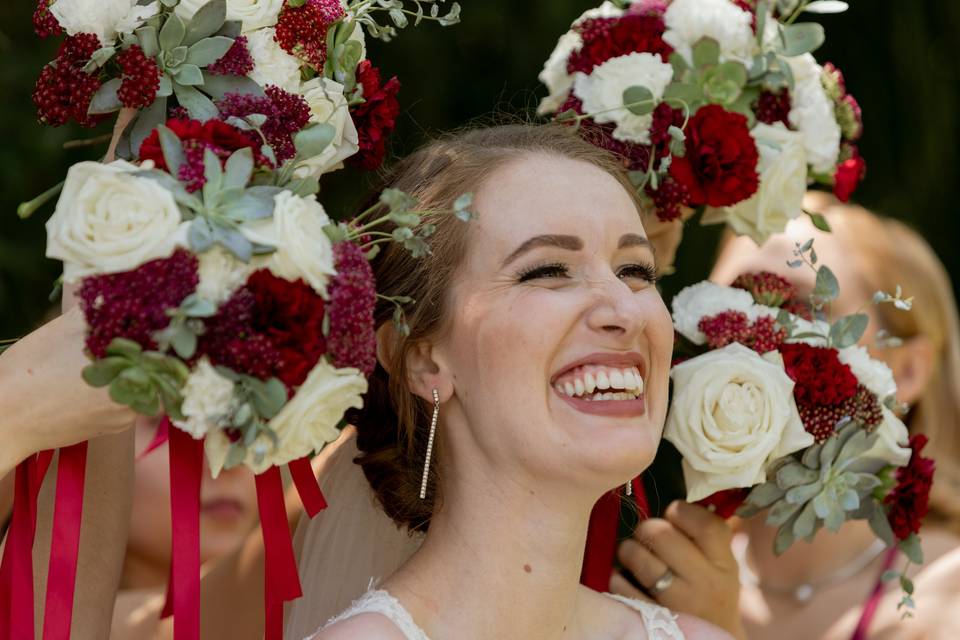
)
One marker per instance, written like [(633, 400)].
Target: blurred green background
[(900, 60)]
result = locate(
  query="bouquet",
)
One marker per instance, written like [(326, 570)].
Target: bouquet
[(216, 290), (776, 409), (714, 104)]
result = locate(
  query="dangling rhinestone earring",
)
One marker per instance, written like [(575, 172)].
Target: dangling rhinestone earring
[(628, 488), (433, 433)]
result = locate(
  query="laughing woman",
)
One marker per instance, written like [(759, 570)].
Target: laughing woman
[(532, 380)]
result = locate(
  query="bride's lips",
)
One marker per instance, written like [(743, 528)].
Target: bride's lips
[(632, 407), (224, 509)]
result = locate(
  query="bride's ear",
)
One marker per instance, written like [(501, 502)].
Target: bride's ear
[(425, 371)]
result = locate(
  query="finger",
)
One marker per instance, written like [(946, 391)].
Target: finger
[(673, 548), (709, 531), (638, 560), (647, 568), (622, 587)]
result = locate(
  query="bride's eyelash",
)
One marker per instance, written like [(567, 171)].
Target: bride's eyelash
[(643, 271), (550, 270)]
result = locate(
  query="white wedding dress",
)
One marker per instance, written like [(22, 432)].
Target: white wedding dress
[(659, 622)]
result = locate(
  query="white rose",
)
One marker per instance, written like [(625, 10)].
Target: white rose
[(254, 14), (555, 75), (732, 414), (296, 230), (602, 91), (812, 114), (873, 374), (688, 21), (304, 425), (109, 221), (208, 400), (107, 19), (892, 444), (221, 273), (328, 104), (702, 300), (271, 64), (783, 182)]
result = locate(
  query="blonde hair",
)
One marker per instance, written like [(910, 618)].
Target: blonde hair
[(892, 254)]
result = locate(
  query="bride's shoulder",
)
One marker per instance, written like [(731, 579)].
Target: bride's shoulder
[(626, 616), (374, 626)]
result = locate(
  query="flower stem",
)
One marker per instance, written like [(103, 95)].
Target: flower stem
[(27, 209)]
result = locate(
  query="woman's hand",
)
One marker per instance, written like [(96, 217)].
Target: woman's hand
[(45, 403), (692, 544)]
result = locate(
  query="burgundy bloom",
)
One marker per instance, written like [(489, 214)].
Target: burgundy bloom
[(64, 90), (725, 503), (302, 31), (133, 304), (237, 61), (761, 335), (771, 107), (230, 339), (820, 420), (908, 503), (766, 287), (287, 113), (353, 296), (376, 117), (44, 22), (720, 165), (820, 377), (606, 38), (141, 78)]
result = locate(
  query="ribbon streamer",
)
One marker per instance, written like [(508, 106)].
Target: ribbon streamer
[(307, 486), (281, 582), (186, 472), (602, 536)]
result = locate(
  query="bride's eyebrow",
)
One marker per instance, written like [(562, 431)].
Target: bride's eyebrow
[(571, 243)]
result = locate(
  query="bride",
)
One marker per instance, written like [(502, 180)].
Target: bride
[(532, 380)]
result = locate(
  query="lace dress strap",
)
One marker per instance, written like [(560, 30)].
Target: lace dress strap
[(379, 601), (659, 622)]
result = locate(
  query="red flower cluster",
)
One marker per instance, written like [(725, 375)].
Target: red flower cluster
[(221, 138), (606, 38), (766, 287), (771, 107), (287, 113), (821, 420), (237, 61), (302, 31), (230, 340), (376, 117), (353, 297), (64, 90), (761, 335), (44, 23), (133, 304), (908, 503), (820, 377), (720, 165), (848, 175), (725, 503), (141, 78)]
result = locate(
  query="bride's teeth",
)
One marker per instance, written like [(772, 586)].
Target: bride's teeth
[(578, 387), (569, 389), (629, 382), (589, 382), (559, 389), (602, 381), (639, 384), (616, 379)]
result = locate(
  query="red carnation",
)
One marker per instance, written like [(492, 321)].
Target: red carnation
[(141, 78), (820, 377), (725, 503), (376, 117), (909, 501), (221, 138), (766, 287), (64, 90), (720, 166), (353, 297), (133, 304), (848, 175), (302, 31), (44, 22), (606, 38)]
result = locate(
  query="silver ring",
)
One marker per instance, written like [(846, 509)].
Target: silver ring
[(663, 583)]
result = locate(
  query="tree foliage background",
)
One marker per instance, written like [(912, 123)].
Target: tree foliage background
[(899, 58)]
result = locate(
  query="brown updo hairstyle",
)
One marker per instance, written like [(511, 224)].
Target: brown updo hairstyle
[(392, 427)]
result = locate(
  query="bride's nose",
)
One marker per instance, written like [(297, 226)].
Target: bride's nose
[(615, 309)]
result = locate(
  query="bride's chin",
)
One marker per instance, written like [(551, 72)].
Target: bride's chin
[(612, 454)]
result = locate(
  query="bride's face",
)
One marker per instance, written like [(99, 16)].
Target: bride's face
[(557, 345)]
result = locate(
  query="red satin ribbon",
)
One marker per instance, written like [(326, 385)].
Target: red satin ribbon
[(62, 571), (602, 536), (307, 486), (161, 436), (281, 582), (186, 472)]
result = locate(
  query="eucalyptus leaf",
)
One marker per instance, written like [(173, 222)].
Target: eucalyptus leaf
[(801, 37), (184, 343), (199, 106), (172, 33), (209, 50), (218, 86), (819, 221), (848, 330), (312, 141), (638, 100), (911, 548), (827, 286), (881, 526), (106, 100), (208, 19)]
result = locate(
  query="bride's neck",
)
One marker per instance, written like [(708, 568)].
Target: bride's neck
[(500, 560)]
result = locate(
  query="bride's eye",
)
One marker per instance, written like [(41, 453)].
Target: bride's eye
[(646, 272), (553, 270)]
